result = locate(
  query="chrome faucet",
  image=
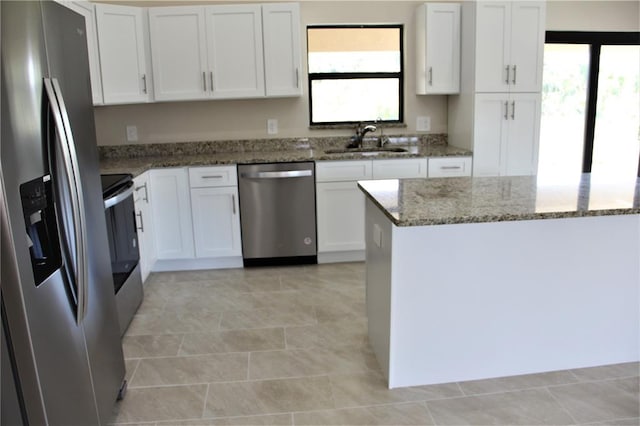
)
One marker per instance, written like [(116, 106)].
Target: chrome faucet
[(356, 141)]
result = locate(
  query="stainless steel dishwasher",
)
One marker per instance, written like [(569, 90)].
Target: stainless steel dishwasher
[(278, 213)]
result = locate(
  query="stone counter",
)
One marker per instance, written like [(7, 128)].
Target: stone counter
[(136, 159), (417, 202)]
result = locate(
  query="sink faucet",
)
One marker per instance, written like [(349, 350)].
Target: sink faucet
[(356, 141)]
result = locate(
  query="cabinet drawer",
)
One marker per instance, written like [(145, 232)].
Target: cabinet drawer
[(335, 171), (450, 167), (400, 169), (203, 177)]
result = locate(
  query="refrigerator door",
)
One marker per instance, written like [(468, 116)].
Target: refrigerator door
[(79, 366)]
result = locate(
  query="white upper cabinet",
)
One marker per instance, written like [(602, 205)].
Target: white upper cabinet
[(87, 10), (509, 46), (179, 53), (234, 41), (123, 54), (438, 48), (282, 62)]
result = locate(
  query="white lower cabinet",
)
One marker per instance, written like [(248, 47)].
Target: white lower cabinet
[(340, 216), (400, 169), (144, 224), (340, 203), (171, 209), (215, 213), (449, 167)]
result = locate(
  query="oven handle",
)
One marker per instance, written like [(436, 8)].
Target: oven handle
[(119, 197)]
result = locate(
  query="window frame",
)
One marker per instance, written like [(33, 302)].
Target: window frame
[(595, 41), (358, 75)]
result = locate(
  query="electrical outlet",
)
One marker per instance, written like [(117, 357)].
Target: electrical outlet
[(423, 123), (272, 126), (132, 133)]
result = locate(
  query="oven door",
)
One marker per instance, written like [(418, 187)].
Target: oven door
[(123, 239)]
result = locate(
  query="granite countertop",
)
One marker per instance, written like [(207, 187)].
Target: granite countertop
[(440, 201), (136, 159)]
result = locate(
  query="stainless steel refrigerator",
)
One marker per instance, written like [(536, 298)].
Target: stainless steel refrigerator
[(61, 349)]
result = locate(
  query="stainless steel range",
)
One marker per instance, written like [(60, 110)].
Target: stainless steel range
[(117, 191)]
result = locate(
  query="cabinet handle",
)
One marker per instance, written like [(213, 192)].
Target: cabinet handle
[(297, 78), (144, 83), (430, 76), (507, 79), (513, 110), (506, 110), (211, 79), (146, 194), (204, 81), (141, 227), (233, 203), (450, 167), (212, 177), (514, 74)]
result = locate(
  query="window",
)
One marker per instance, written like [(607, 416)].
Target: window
[(590, 110), (355, 74)]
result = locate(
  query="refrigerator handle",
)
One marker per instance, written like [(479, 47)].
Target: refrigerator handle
[(70, 158)]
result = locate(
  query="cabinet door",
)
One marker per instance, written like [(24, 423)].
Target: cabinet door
[(179, 53), (234, 42), (171, 208), (520, 153), (281, 36), (340, 216), (123, 59), (490, 133), (527, 46), (144, 224), (493, 25), (87, 10), (442, 65), (216, 223), (400, 169)]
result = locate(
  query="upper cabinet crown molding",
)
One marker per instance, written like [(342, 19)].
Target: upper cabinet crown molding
[(225, 51), (438, 48), (123, 46)]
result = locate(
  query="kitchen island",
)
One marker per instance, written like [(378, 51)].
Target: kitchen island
[(471, 278)]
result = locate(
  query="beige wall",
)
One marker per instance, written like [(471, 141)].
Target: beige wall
[(247, 119), (605, 15)]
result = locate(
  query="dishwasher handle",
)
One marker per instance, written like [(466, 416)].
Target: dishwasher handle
[(277, 175)]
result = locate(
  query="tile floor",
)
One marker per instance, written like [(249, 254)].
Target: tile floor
[(288, 346)]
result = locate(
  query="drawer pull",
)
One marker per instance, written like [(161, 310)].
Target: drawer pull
[(146, 194), (141, 227), (213, 177), (451, 167)]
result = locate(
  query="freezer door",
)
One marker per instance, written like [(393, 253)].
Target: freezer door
[(69, 65)]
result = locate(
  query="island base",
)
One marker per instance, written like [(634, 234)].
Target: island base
[(471, 301)]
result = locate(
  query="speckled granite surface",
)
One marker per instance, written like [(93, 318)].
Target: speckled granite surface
[(136, 159), (418, 202)]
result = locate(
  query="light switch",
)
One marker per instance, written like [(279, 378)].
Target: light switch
[(272, 126), (132, 133), (423, 123), (377, 235)]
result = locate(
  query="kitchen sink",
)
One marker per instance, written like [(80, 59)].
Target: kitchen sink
[(365, 151)]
